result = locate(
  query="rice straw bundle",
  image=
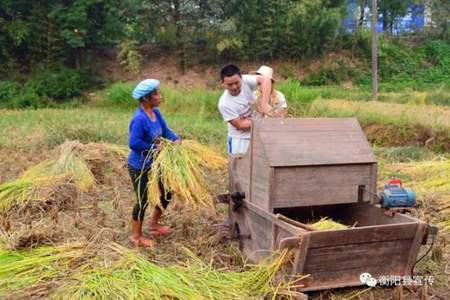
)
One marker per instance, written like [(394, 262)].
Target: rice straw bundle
[(68, 163), (133, 277), (209, 158), (327, 224), (179, 167)]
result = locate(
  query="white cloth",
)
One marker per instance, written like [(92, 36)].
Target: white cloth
[(232, 107), (237, 145)]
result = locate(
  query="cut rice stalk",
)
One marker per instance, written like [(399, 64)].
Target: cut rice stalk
[(327, 224), (180, 168), (209, 158), (133, 276), (21, 269)]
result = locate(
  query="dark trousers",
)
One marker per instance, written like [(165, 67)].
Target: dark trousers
[(139, 179)]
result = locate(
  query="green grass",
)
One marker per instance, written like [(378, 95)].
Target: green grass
[(404, 154), (438, 94), (390, 124), (193, 114), (432, 117), (30, 129)]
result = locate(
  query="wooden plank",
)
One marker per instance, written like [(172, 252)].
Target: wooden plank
[(301, 255), (306, 186), (274, 124), (318, 154), (360, 235), (414, 249), (239, 173), (270, 216), (259, 225), (372, 188), (281, 234), (271, 191), (275, 233), (344, 278), (260, 176), (324, 175), (271, 138), (260, 184), (390, 254), (253, 148), (341, 194)]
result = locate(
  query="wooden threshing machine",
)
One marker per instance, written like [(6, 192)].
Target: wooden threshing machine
[(298, 170)]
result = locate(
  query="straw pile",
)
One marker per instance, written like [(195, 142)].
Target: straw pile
[(181, 168), (48, 182), (327, 224), (76, 168)]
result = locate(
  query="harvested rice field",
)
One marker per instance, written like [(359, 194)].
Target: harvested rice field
[(66, 200)]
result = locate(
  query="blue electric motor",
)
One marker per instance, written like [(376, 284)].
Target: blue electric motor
[(395, 195)]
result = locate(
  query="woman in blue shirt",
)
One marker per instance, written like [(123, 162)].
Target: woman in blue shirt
[(146, 127)]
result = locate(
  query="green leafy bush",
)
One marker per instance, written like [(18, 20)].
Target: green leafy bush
[(60, 84), (334, 74), (8, 90), (28, 99), (119, 94)]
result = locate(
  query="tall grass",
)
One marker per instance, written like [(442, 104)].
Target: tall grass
[(429, 95), (433, 117), (51, 127), (194, 115)]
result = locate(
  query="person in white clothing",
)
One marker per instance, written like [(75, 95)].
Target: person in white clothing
[(235, 104), (277, 100)]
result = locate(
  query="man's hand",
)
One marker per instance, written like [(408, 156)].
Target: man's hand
[(242, 123), (177, 141)]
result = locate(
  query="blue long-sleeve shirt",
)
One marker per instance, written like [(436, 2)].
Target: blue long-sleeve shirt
[(143, 135)]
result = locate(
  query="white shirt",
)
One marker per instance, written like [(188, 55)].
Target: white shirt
[(232, 107), (282, 100)]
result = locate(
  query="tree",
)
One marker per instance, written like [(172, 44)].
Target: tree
[(57, 30), (439, 11), (391, 11)]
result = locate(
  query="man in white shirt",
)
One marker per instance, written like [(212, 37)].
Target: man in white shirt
[(234, 104)]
